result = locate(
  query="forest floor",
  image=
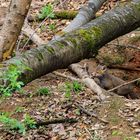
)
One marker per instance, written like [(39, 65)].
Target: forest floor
[(117, 118)]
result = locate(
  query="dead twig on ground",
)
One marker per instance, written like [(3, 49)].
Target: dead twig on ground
[(89, 113), (123, 67), (55, 121), (123, 84), (66, 76)]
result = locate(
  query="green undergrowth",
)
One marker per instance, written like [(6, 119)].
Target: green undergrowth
[(10, 78), (11, 124), (75, 87)]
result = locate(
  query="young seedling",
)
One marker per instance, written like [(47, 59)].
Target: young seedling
[(77, 87), (10, 78), (29, 122), (46, 11), (19, 109), (68, 88), (72, 87), (11, 124), (43, 91)]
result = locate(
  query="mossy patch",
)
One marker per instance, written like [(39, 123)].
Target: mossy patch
[(60, 45), (39, 56), (50, 50), (91, 37)]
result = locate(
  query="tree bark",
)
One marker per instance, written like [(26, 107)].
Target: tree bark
[(86, 14), (78, 44), (12, 26)]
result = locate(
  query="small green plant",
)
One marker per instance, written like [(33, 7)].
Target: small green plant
[(15, 125), (12, 124), (43, 91), (10, 78), (116, 133), (46, 11), (29, 122), (19, 109), (72, 87), (77, 87), (68, 88), (52, 27)]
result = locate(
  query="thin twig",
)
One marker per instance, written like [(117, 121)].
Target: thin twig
[(123, 84), (55, 121), (90, 113), (123, 67), (34, 32), (66, 76)]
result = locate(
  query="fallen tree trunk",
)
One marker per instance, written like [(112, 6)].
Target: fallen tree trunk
[(86, 14), (78, 44)]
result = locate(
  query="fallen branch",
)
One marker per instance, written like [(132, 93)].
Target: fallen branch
[(66, 76), (90, 83), (85, 14), (91, 136), (28, 31), (55, 121), (90, 113), (117, 87), (64, 14), (123, 67)]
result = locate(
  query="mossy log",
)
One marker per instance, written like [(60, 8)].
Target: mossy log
[(78, 44), (63, 14)]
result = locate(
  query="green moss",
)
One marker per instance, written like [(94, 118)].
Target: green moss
[(50, 50), (39, 56), (66, 14), (86, 35), (73, 41), (91, 36), (60, 45)]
